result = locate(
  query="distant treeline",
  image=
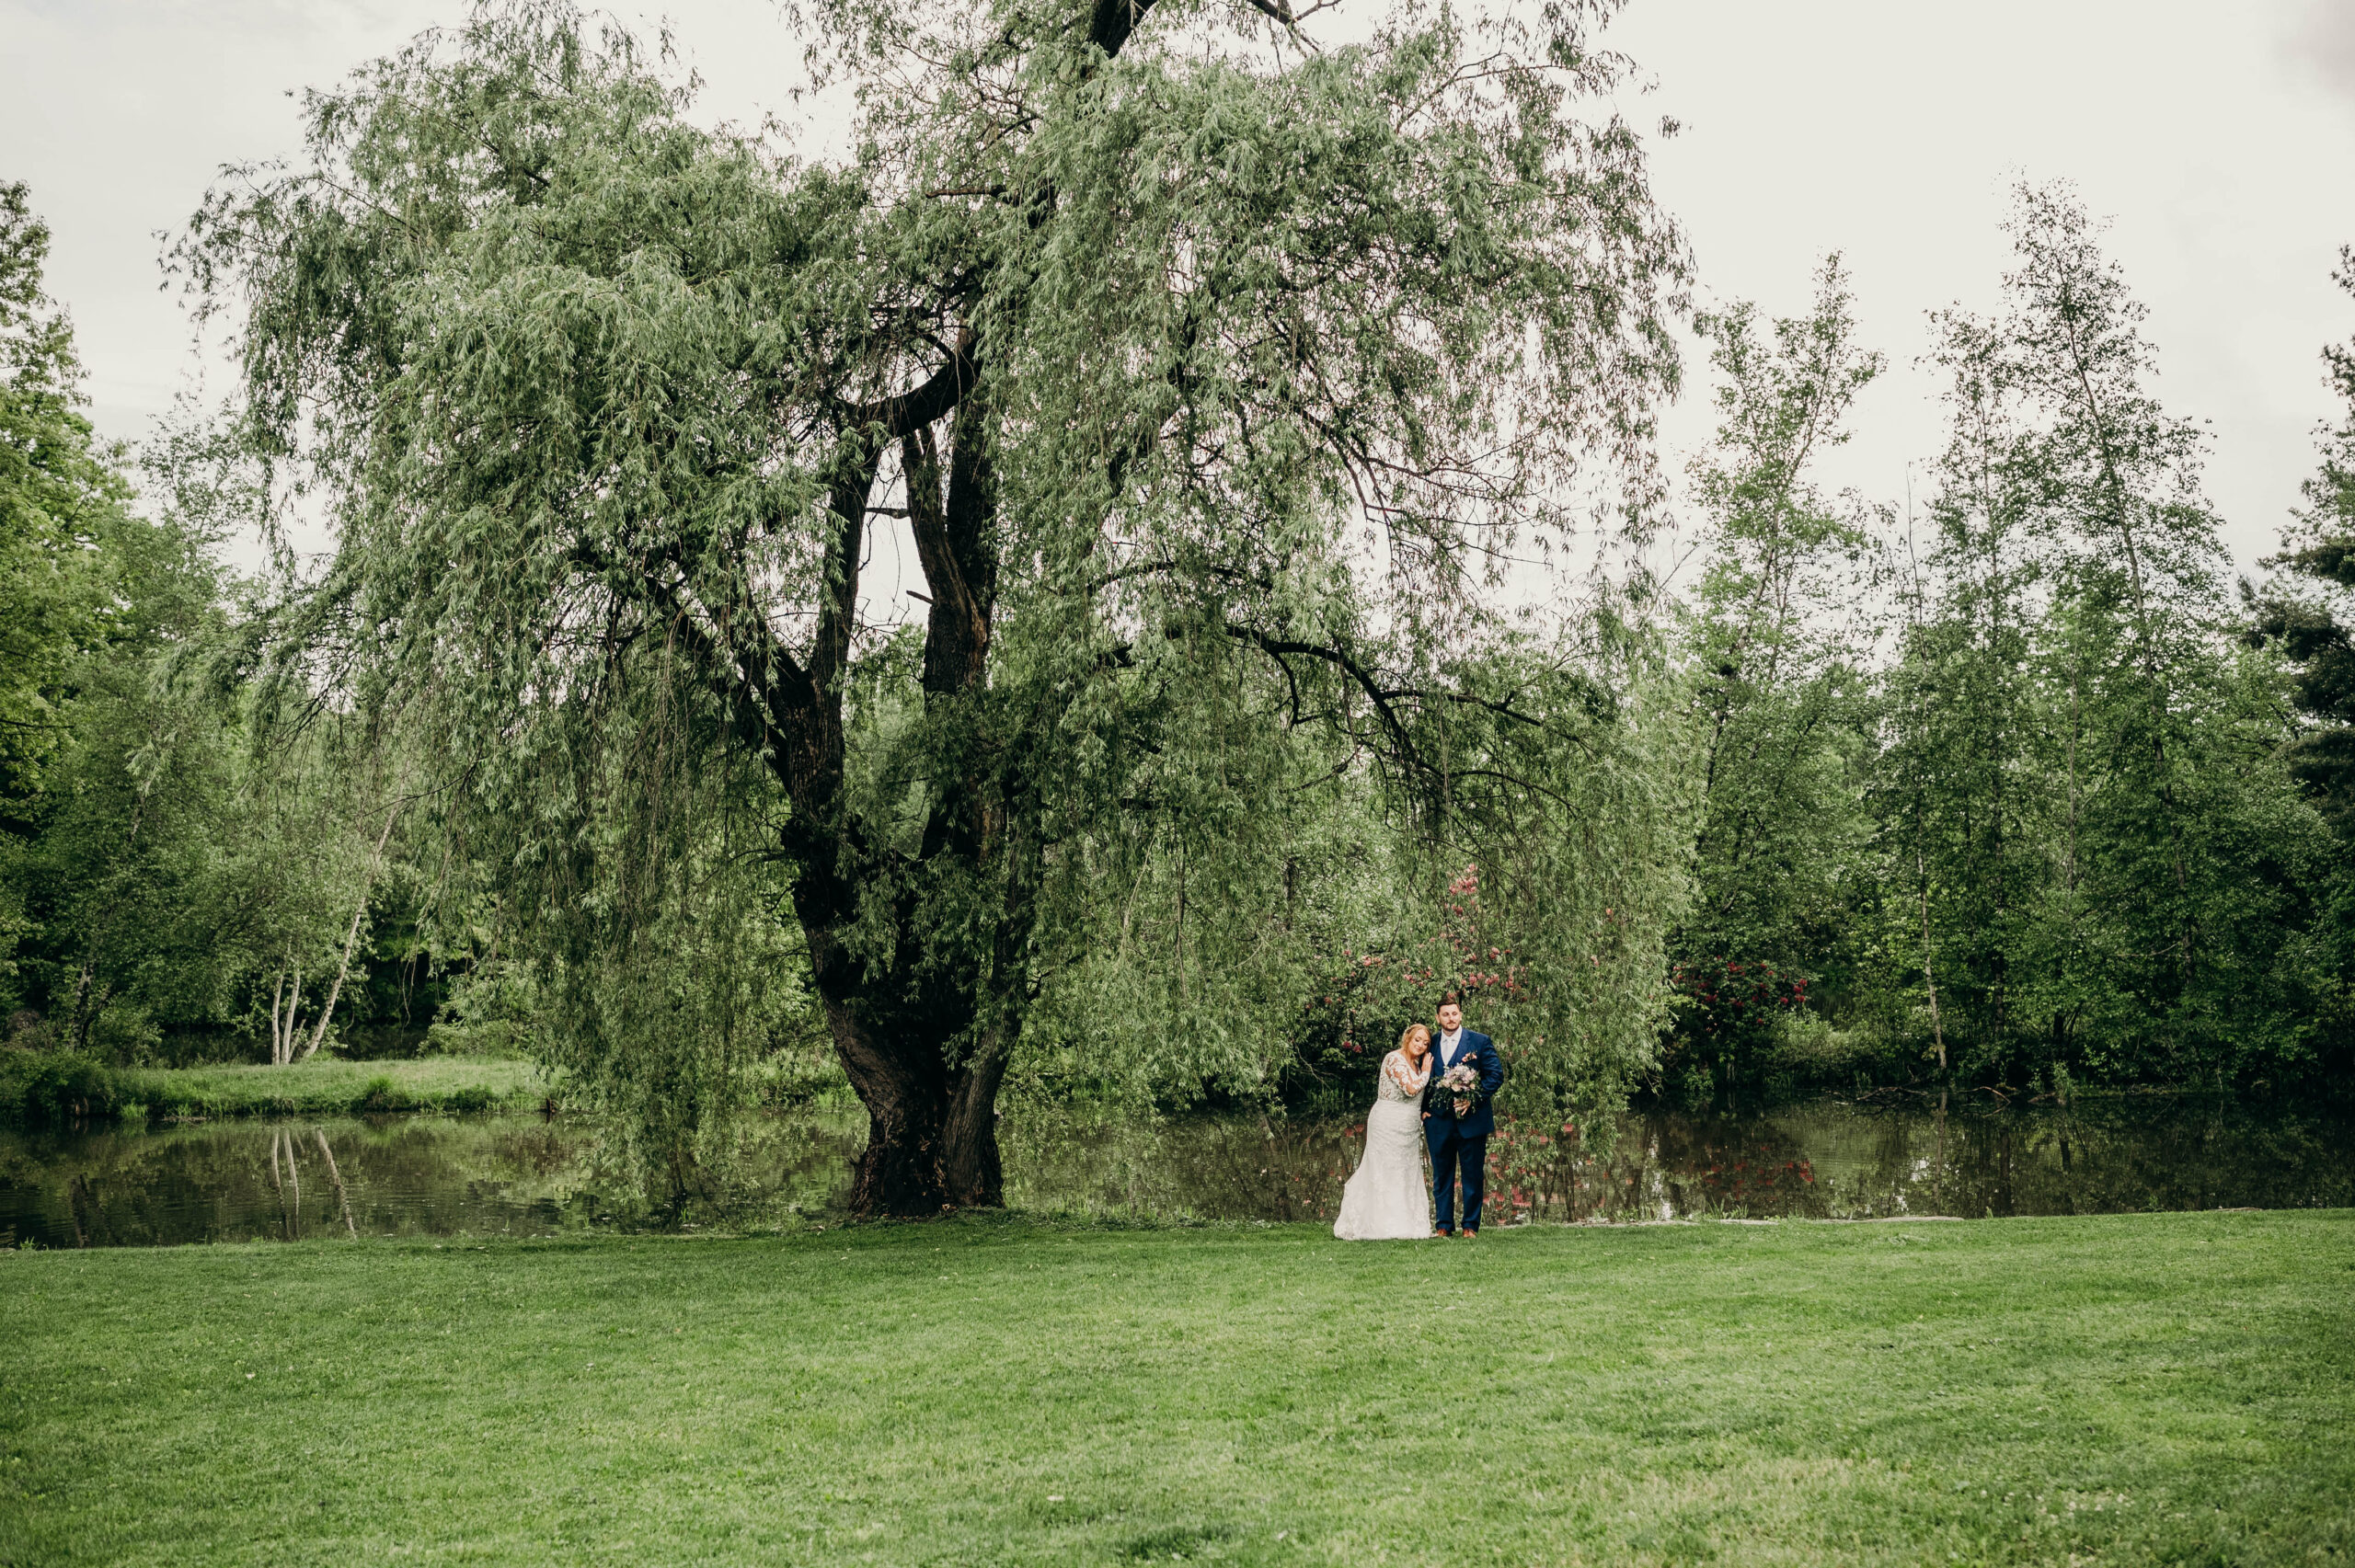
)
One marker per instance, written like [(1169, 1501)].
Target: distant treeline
[(181, 878), (2012, 784)]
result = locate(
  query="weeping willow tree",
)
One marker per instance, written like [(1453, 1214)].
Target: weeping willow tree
[(1217, 370), (1284, 891)]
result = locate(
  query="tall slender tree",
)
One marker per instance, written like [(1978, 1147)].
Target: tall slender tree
[(2081, 762), (2303, 610), (61, 500), (1781, 654)]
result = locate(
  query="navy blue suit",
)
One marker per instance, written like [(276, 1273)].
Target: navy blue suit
[(1459, 1145)]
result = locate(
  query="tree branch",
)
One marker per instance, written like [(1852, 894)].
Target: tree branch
[(921, 406)]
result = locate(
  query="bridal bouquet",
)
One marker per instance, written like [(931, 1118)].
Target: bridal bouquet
[(1459, 1083)]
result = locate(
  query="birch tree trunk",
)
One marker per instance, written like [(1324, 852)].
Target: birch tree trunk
[(352, 936), (282, 1022), (1929, 980)]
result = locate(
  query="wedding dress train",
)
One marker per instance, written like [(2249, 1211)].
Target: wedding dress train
[(1388, 1198)]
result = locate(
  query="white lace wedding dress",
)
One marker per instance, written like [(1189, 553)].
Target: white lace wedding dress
[(1389, 1199)]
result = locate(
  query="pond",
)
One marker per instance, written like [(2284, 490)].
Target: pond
[(522, 1176)]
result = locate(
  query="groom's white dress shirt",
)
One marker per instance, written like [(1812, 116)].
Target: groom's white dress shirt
[(1449, 1044)]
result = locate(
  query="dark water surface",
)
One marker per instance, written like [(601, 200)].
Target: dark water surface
[(516, 1175)]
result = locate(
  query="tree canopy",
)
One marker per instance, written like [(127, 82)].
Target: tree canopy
[(1217, 377), (59, 499), (1258, 404)]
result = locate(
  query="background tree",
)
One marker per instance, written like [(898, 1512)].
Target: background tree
[(1781, 648), (2302, 613), (111, 776), (61, 500), (2113, 867), (1184, 350)]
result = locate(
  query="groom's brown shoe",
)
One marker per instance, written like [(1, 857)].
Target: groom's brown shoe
[(1437, 1234), (1467, 1235)]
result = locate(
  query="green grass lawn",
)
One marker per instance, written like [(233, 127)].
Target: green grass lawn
[(329, 1086), (2147, 1389)]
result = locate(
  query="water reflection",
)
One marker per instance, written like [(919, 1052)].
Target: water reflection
[(383, 1176), (239, 1181), (1825, 1160), (1830, 1160)]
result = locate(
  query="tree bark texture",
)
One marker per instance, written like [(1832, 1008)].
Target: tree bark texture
[(925, 1027), (924, 1031)]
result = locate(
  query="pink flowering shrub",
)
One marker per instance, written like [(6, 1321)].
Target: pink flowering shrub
[(1364, 998), (1728, 1012)]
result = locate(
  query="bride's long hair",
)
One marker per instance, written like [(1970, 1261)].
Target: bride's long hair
[(1415, 1032)]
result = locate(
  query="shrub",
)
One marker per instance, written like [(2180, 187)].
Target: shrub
[(56, 1086), (1731, 1019), (124, 1033), (380, 1096)]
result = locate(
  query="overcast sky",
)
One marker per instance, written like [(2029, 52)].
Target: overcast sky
[(2220, 138)]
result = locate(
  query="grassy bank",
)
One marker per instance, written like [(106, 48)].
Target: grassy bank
[(45, 1087), (325, 1086), (2136, 1390), (60, 1087)]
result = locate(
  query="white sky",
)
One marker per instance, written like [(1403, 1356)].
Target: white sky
[(2218, 136)]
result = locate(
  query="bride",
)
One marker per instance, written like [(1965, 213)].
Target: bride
[(1388, 1199)]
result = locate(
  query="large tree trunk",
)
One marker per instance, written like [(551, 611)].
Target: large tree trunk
[(924, 1037), (969, 1157), (926, 1072), (931, 1121), (926, 1040)]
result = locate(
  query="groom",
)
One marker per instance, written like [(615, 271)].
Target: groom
[(1460, 1143)]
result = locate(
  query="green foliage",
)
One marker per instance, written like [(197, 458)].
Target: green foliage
[(121, 877), (1160, 345), (101, 780), (1275, 940), (170, 847), (57, 1086), (2112, 869), (121, 904), (1241, 391), (1779, 655), (2303, 615), (61, 504), (2050, 830)]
